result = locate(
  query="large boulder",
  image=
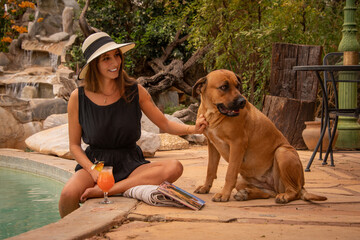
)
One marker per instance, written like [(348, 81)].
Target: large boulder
[(188, 114), (64, 83), (30, 129), (149, 126), (55, 120), (4, 60), (53, 141), (11, 130), (196, 139), (68, 19), (172, 142), (55, 38), (42, 108), (149, 143)]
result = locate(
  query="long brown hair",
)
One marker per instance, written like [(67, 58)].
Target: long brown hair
[(123, 81)]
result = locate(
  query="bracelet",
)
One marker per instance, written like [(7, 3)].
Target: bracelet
[(187, 130)]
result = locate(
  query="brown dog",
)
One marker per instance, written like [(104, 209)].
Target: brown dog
[(254, 148)]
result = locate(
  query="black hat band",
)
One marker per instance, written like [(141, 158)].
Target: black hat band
[(95, 46)]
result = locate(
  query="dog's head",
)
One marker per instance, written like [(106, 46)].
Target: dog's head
[(221, 89)]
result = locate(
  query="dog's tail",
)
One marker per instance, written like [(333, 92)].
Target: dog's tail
[(311, 197)]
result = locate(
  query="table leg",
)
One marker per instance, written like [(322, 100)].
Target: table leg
[(323, 129), (332, 135)]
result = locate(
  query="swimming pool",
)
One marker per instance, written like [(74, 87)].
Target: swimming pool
[(27, 201)]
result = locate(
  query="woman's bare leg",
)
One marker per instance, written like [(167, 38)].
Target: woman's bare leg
[(147, 174), (72, 191), (150, 174)]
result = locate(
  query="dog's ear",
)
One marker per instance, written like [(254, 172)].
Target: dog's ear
[(240, 83), (197, 88)]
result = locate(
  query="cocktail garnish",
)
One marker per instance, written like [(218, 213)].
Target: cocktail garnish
[(98, 165)]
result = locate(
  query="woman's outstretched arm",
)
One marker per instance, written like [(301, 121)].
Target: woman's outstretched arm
[(159, 119)]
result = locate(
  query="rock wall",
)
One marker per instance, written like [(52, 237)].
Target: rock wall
[(20, 119)]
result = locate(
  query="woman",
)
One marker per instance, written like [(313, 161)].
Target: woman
[(106, 114)]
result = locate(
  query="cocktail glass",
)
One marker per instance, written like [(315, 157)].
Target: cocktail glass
[(105, 182)]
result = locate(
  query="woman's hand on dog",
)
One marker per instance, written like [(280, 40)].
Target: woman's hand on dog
[(201, 124)]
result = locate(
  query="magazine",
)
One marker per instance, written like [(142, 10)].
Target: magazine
[(180, 195)]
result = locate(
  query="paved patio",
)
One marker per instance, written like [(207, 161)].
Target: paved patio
[(336, 218)]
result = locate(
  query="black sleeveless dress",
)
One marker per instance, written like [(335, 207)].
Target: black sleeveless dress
[(111, 132)]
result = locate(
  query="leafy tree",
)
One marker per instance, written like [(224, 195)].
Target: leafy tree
[(243, 33)]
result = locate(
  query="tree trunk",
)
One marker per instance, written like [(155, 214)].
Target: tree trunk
[(86, 29), (170, 75)]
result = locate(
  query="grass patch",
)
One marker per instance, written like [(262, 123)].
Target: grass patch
[(170, 110)]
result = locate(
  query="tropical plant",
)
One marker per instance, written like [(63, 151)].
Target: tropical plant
[(10, 15)]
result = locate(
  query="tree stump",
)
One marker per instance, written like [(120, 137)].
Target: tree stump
[(289, 116), (293, 94), (284, 81)]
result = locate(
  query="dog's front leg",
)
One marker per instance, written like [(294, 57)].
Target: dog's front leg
[(214, 158), (235, 160)]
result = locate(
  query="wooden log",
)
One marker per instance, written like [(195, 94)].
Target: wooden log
[(289, 116)]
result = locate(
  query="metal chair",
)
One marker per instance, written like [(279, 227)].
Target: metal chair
[(333, 58)]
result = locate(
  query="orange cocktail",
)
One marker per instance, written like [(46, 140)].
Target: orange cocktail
[(105, 182)]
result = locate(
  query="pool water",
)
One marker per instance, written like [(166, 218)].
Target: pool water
[(27, 201)]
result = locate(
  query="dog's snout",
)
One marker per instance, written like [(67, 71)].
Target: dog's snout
[(240, 103)]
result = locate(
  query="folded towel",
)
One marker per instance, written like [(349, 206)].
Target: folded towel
[(150, 195)]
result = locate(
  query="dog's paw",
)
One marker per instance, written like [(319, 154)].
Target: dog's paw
[(241, 195), (281, 198), (219, 197), (202, 189)]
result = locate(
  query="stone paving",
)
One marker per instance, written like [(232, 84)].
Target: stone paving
[(336, 218)]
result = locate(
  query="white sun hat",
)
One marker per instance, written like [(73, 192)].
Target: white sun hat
[(97, 44)]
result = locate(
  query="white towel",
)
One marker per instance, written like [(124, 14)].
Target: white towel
[(150, 195)]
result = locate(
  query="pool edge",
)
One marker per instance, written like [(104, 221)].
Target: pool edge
[(86, 221)]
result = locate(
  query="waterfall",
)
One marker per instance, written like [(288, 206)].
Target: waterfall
[(16, 89), (27, 60), (54, 59)]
